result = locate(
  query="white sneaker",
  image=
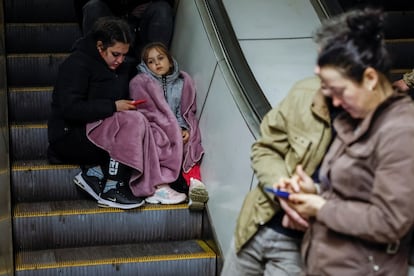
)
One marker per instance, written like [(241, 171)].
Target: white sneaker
[(197, 194), (164, 194)]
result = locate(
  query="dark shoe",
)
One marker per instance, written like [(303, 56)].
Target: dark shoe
[(90, 184), (121, 198), (180, 185)]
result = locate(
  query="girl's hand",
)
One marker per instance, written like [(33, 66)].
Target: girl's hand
[(307, 205), (122, 105), (186, 135)]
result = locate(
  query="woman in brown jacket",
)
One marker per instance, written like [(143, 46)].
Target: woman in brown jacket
[(361, 214)]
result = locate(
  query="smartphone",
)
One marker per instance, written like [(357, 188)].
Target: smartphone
[(137, 102), (278, 192)]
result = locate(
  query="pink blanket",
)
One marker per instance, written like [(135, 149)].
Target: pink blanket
[(149, 139)]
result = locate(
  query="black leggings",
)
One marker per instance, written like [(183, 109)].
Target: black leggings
[(75, 148)]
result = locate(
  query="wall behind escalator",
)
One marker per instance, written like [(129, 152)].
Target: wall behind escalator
[(225, 133), (276, 39)]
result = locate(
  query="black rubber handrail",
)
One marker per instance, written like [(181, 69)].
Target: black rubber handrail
[(250, 88)]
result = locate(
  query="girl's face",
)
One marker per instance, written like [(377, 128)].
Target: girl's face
[(356, 99), (114, 55), (158, 62)]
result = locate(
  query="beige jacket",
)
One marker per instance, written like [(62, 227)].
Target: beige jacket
[(297, 131), (409, 79)]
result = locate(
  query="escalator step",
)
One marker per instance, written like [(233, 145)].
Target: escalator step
[(402, 53), (37, 180), (184, 258), (397, 74), (399, 24), (82, 223), (33, 69), (28, 104), (386, 5), (39, 11), (31, 37), (28, 141)]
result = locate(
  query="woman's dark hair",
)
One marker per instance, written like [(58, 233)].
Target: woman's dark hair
[(111, 30), (357, 44)]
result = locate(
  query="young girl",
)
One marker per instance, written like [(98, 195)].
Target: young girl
[(160, 78)]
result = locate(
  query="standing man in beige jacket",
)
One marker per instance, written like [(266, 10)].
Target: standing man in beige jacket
[(297, 131)]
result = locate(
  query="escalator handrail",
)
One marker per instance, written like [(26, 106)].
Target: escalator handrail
[(250, 88)]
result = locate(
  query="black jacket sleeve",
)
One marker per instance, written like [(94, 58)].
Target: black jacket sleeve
[(83, 92)]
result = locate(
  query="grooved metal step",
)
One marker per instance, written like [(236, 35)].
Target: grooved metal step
[(31, 37), (28, 104), (401, 51), (387, 5), (398, 73), (37, 180), (33, 69), (28, 141), (82, 223), (184, 258), (39, 11), (399, 24)]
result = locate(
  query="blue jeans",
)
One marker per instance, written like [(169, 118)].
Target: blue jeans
[(268, 253), (156, 24)]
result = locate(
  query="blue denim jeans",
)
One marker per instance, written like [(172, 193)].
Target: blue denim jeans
[(268, 253)]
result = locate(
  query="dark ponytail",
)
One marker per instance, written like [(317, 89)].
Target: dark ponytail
[(359, 46)]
